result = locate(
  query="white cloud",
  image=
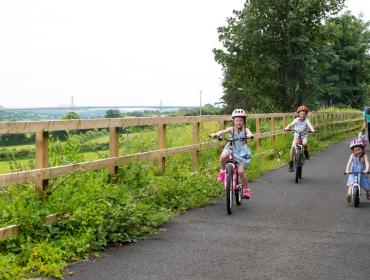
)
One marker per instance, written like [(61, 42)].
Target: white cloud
[(113, 52)]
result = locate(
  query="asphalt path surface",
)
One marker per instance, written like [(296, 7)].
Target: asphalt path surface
[(286, 231)]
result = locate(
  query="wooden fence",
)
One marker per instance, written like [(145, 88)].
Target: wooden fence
[(43, 173)]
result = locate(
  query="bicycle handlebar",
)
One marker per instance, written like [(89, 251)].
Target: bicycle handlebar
[(222, 137), (293, 130), (349, 173)]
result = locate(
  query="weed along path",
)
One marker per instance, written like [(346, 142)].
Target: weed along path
[(286, 231)]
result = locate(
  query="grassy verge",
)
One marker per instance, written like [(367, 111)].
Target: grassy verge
[(102, 213)]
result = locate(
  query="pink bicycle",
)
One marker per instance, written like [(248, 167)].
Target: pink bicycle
[(232, 182)]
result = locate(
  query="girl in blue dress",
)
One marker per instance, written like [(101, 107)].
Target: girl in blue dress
[(358, 162), (241, 150)]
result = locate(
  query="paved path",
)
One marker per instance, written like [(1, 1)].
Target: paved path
[(287, 231)]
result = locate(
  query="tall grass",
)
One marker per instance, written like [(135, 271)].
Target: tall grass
[(96, 213)]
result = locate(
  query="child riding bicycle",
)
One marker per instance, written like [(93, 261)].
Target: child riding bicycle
[(358, 162), (301, 124), (241, 150)]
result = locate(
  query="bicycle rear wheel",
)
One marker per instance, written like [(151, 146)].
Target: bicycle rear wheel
[(229, 188), (356, 196)]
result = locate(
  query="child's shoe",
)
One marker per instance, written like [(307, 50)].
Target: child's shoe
[(291, 168), (247, 193), (221, 175), (306, 155)]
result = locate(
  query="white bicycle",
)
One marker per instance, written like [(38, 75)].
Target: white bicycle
[(356, 187)]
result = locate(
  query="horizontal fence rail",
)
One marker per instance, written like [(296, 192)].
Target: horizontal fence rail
[(42, 174)]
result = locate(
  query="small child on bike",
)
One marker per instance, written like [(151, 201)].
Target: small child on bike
[(358, 162), (241, 150), (301, 124)]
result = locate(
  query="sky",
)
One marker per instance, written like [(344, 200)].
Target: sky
[(122, 52)]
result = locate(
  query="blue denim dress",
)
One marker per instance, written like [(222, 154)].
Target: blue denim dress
[(358, 165), (242, 152)]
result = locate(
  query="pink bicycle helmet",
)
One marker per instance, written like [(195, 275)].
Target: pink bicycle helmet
[(357, 143)]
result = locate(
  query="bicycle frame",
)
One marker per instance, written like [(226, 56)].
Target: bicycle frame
[(232, 162), (357, 182)]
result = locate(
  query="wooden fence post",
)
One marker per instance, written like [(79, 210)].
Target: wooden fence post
[(196, 140), (113, 148), (42, 157), (222, 127), (162, 145), (316, 120), (284, 121), (273, 129), (258, 130)]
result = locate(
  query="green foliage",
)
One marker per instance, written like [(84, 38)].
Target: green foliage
[(71, 116), (277, 55), (95, 212), (113, 113), (16, 139), (345, 63)]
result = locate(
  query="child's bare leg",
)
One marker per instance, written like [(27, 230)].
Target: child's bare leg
[(349, 195), (221, 175), (223, 159), (242, 177), (305, 148), (246, 191), (292, 152), (367, 191)]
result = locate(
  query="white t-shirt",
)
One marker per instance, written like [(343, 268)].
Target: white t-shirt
[(301, 125)]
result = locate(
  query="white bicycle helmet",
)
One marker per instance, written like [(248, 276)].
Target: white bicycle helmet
[(238, 113), (357, 143)]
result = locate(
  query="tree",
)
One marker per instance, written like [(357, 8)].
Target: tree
[(71, 116), (113, 113), (62, 135), (269, 52), (345, 68)]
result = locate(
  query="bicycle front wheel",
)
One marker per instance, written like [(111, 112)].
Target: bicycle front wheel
[(298, 166), (229, 188), (239, 195)]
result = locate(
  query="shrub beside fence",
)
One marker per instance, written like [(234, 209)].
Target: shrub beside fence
[(43, 173)]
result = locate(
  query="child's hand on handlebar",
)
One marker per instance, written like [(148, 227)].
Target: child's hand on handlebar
[(346, 172)]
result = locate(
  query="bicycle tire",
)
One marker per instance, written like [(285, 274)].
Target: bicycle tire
[(229, 191), (298, 164), (239, 195), (356, 196)]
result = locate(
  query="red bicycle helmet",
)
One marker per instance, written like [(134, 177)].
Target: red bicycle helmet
[(302, 108)]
